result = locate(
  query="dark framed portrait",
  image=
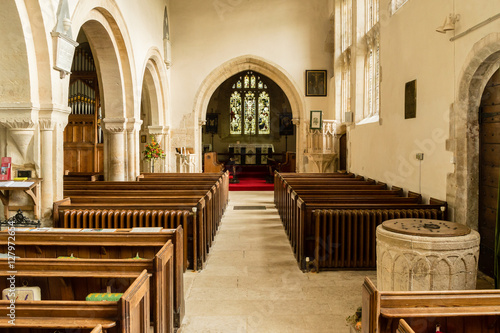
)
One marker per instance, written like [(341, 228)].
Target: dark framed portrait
[(212, 125), (315, 82), (143, 139), (286, 125)]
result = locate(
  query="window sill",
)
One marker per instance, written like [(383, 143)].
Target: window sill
[(369, 120)]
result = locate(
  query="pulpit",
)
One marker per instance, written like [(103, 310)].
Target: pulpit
[(185, 160)]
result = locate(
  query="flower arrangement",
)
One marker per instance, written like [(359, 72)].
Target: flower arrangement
[(355, 320), (153, 150)]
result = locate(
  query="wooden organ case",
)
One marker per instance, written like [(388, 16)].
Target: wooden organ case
[(83, 136)]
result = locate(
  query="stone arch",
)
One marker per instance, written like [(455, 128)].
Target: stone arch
[(107, 33), (18, 70), (154, 103), (155, 80), (260, 65), (463, 186)]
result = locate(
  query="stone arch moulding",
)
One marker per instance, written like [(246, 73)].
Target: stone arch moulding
[(107, 33), (463, 185), (260, 65), (155, 80)]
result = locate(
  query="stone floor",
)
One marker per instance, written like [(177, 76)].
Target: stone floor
[(252, 283)]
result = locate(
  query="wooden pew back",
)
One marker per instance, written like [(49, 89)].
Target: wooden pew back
[(455, 310)]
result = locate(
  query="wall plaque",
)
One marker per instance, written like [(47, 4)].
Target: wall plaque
[(411, 99)]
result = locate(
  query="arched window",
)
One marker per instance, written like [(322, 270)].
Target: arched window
[(250, 106)]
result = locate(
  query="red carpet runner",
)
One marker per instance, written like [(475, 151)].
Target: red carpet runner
[(251, 179)]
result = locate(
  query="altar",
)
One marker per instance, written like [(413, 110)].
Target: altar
[(250, 153)]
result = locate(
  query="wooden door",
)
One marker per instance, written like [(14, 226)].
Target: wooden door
[(489, 170)]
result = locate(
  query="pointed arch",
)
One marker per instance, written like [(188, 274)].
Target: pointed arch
[(246, 63)]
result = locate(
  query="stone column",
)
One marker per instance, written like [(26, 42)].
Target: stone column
[(166, 148), (159, 134), (133, 153), (115, 157), (301, 138), (47, 166)]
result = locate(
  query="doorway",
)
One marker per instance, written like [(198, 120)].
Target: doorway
[(489, 170)]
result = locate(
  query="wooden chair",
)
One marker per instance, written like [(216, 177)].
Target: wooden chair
[(289, 164), (211, 164)]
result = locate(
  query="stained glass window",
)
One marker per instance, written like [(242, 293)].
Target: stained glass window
[(264, 127), (235, 120), (249, 113), (252, 82)]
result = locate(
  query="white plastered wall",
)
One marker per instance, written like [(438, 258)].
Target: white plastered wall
[(207, 35), (411, 49)]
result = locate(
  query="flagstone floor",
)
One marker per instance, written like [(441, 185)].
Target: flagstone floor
[(251, 282)]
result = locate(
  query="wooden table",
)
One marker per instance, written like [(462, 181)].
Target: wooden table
[(30, 187)]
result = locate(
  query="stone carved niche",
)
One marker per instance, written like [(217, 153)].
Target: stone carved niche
[(321, 147)]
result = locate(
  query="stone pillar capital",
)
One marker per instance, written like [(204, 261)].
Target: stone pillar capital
[(133, 124), (114, 125), (158, 130), (46, 124)]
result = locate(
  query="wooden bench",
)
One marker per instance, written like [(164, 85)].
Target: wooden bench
[(346, 209), (197, 222), (162, 186), (107, 254), (129, 314), (456, 310)]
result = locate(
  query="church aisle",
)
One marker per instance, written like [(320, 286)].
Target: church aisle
[(252, 283)]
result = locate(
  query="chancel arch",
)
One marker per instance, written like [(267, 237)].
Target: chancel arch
[(258, 65), (251, 109)]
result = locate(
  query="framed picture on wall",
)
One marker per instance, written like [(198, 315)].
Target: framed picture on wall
[(315, 82), (143, 139), (212, 125), (316, 120)]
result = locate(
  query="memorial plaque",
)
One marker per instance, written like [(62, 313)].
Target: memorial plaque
[(411, 99)]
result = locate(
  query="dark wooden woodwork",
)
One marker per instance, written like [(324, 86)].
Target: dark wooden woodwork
[(83, 142), (471, 311), (129, 314), (331, 220), (104, 257), (206, 195), (489, 171)]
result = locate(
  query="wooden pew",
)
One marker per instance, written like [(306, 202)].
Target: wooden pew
[(475, 311), (129, 314), (161, 267), (107, 254), (347, 209), (197, 224)]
